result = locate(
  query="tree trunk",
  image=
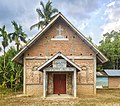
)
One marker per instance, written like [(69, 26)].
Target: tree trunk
[(117, 64), (114, 65), (4, 57), (4, 69), (17, 47)]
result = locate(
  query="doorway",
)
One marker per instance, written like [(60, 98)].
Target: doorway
[(59, 83)]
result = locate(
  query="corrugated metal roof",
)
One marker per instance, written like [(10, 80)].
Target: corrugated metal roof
[(112, 72)]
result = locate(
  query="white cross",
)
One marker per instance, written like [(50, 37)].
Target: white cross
[(60, 30)]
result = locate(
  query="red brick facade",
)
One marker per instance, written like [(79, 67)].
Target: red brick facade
[(44, 46), (72, 47)]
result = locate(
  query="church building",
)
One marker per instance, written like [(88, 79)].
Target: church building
[(59, 60)]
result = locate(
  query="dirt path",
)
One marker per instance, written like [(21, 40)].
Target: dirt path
[(103, 98)]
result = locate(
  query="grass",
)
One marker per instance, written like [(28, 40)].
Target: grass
[(103, 98)]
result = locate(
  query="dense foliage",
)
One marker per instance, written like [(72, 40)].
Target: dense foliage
[(4, 36), (110, 47), (11, 73)]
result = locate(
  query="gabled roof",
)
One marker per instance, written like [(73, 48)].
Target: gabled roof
[(60, 55), (100, 56), (112, 72)]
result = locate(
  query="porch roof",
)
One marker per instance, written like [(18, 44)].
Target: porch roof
[(59, 54)]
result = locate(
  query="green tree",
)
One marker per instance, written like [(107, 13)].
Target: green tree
[(110, 46), (18, 35), (45, 15), (4, 35), (91, 41), (14, 78), (11, 76)]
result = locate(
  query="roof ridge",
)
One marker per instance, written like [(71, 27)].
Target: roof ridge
[(101, 57)]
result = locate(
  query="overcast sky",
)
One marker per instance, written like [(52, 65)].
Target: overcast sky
[(92, 17)]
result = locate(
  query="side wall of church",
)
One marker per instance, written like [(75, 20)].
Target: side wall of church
[(86, 83), (33, 78)]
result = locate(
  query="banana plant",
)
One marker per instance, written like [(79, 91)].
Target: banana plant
[(11, 80)]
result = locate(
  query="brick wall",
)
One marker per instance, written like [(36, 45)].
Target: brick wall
[(44, 46), (114, 82), (36, 90), (33, 78)]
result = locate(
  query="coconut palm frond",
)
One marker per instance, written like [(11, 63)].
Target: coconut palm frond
[(46, 14)]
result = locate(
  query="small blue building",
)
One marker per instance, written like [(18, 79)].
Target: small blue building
[(109, 78), (101, 79), (113, 78)]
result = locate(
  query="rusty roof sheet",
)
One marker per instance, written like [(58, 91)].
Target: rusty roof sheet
[(101, 73)]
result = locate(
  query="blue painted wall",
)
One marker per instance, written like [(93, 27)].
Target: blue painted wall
[(101, 81)]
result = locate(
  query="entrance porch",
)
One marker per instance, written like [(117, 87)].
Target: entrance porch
[(59, 76), (59, 83)]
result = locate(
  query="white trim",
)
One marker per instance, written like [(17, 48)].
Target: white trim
[(70, 57), (44, 84), (73, 83), (46, 81), (24, 77), (66, 39), (57, 55), (103, 58), (95, 76), (74, 87), (41, 32), (84, 38), (66, 69)]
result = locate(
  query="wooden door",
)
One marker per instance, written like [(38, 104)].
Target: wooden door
[(59, 83)]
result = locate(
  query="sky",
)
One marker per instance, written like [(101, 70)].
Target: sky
[(91, 17)]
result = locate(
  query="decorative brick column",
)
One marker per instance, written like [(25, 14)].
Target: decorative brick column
[(69, 85)]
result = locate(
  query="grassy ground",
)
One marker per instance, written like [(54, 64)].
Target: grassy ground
[(103, 98)]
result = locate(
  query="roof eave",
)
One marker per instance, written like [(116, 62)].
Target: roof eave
[(103, 59), (34, 39), (87, 41)]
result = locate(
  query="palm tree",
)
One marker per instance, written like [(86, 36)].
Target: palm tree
[(18, 35), (4, 35), (0, 49), (45, 15)]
